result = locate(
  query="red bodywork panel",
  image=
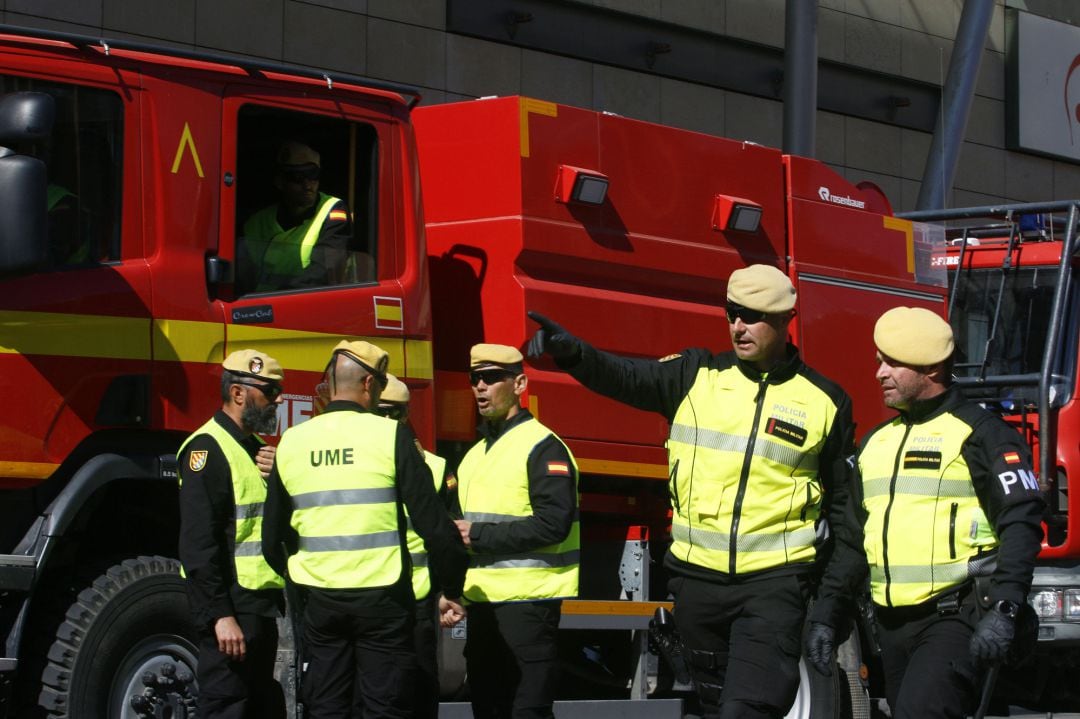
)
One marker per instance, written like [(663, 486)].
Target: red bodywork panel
[(644, 273)]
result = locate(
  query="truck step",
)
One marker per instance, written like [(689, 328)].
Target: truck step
[(16, 572)]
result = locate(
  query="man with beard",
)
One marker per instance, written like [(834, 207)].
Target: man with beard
[(234, 595)]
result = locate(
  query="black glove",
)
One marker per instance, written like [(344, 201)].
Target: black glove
[(553, 339), (993, 636), (821, 647)]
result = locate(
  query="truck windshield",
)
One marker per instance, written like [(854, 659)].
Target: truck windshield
[(1000, 361)]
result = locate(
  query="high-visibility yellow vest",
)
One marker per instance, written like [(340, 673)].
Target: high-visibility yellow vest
[(925, 531), (284, 253), (743, 461), (493, 486), (249, 494), (421, 577), (339, 469)]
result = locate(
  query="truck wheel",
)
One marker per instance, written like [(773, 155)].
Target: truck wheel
[(820, 697), (131, 621)]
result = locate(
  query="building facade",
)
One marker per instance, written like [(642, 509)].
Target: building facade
[(712, 66)]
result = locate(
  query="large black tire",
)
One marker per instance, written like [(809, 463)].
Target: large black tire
[(132, 619)]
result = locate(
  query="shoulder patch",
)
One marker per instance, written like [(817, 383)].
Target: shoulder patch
[(668, 358), (197, 460), (560, 468), (451, 483)]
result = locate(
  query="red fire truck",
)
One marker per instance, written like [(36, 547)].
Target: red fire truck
[(119, 303)]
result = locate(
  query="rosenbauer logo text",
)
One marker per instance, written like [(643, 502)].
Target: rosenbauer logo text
[(825, 194)]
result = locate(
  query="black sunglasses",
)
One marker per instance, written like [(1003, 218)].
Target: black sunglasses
[(391, 411), (299, 176), (489, 376), (747, 315), (270, 391)]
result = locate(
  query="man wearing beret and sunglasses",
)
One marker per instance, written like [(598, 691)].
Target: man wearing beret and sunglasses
[(302, 240), (758, 457), (233, 593), (517, 488)]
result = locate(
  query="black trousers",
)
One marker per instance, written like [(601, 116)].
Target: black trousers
[(511, 656), (928, 667), (246, 689), (743, 641), (426, 643), (345, 648)]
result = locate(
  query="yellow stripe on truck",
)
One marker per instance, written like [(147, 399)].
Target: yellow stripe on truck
[(172, 340), (72, 335), (187, 341)]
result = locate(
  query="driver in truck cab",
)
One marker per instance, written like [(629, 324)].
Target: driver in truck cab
[(301, 240)]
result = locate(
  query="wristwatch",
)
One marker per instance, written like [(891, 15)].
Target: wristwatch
[(1007, 608)]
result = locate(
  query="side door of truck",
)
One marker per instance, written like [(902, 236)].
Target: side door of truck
[(365, 284)]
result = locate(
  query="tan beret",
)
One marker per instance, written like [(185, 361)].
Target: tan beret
[(914, 336), (483, 355), (395, 391), (253, 363), (296, 154), (373, 358), (761, 287)]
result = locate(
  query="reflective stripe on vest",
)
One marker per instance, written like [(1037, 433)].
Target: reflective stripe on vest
[(339, 469), (743, 462), (282, 254), (421, 577), (925, 531), (493, 485), (249, 493)]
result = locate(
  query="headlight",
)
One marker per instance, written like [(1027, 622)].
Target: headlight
[(1072, 605), (1047, 603)]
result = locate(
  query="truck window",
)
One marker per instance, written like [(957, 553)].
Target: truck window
[(1019, 340), (306, 201), (83, 158)]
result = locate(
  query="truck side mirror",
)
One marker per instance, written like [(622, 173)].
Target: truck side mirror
[(24, 117), (23, 214)]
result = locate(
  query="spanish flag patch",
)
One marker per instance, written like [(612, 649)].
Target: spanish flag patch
[(1011, 457), (558, 468), (338, 215)]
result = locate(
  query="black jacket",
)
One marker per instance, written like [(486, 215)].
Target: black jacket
[(1016, 515), (208, 533), (660, 386), (553, 498)]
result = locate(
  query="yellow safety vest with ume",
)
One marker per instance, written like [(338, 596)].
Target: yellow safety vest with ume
[(339, 469), (925, 531), (493, 484), (249, 494), (743, 461)]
